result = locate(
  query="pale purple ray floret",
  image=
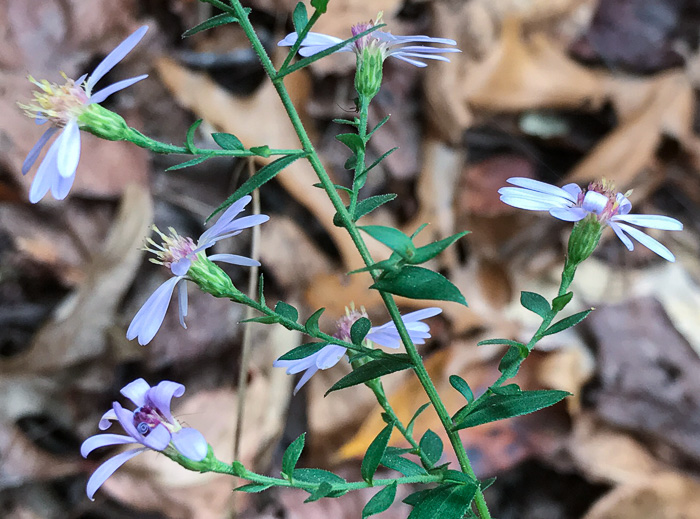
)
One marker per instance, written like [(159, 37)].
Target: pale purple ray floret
[(572, 204), (384, 335), (150, 426), (62, 107), (177, 253), (400, 47)]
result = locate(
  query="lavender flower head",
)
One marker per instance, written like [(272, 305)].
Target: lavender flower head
[(384, 42), (150, 425), (187, 260), (68, 108), (384, 335), (599, 202)]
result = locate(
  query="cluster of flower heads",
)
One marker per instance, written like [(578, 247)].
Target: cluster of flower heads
[(150, 426), (599, 201), (178, 254), (388, 45), (385, 335), (62, 106)]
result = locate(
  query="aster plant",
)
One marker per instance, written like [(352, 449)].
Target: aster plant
[(405, 271)]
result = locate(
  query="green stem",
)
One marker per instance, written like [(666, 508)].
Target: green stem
[(359, 180), (346, 219)]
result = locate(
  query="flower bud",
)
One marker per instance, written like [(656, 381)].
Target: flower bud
[(103, 123), (368, 76), (210, 277)]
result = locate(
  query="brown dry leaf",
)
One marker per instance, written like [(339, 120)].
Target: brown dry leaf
[(648, 109), (662, 496), (524, 75), (77, 329)]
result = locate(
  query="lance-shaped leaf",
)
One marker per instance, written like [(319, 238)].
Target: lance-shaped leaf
[(462, 386), (352, 141), (567, 322), (510, 363), (431, 445), (374, 453), (379, 125), (420, 283), (303, 351), (287, 311), (252, 488), (300, 17), (412, 421), (380, 501), (263, 176), (380, 159), (228, 141), (373, 369), (323, 490), (394, 460), (359, 330), (365, 207), (214, 21), (447, 501), (291, 456), (560, 302), (392, 238), (311, 323), (189, 163), (535, 303), (431, 250), (500, 407), (189, 139)]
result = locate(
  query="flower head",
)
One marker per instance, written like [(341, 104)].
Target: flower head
[(186, 259), (384, 42), (151, 425), (384, 335), (69, 108), (599, 203)]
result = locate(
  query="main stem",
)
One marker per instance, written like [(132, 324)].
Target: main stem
[(342, 211)]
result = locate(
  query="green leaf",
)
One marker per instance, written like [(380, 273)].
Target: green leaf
[(261, 291), (560, 302), (374, 453), (228, 141), (252, 488), (303, 351), (535, 303), (368, 205), (448, 501), (352, 141), (392, 238), (373, 369), (311, 324), (189, 163), (510, 363), (455, 476), (507, 390), (486, 483), (189, 141), (266, 319), (323, 490), (416, 497), (345, 121), (431, 250), (400, 464), (507, 342), (423, 226), (261, 151), (500, 407), (263, 176), (214, 21), (320, 5), (567, 322), (287, 311), (300, 18), (338, 187), (380, 159), (390, 265), (359, 330), (462, 386), (380, 501), (412, 421), (420, 283), (291, 456), (431, 445), (379, 125)]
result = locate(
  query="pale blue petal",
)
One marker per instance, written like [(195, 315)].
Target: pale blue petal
[(329, 356), (61, 186), (620, 234), (595, 202), (542, 187), (569, 214), (527, 203), (190, 443), (69, 149), (108, 468), (181, 266), (103, 94), (136, 391), (234, 259), (419, 315), (149, 318), (651, 221), (106, 420), (114, 57), (182, 303), (45, 174), (36, 149), (313, 39), (402, 55), (157, 438), (226, 218), (413, 62), (305, 378), (103, 440), (400, 40), (573, 189), (535, 196), (648, 242), (162, 394)]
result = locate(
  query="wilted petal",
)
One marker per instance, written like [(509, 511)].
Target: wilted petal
[(648, 242), (106, 420), (149, 318), (45, 174), (162, 394), (103, 94), (108, 468), (36, 149), (69, 149), (114, 57), (103, 440), (190, 443), (651, 221), (136, 391), (234, 259)]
